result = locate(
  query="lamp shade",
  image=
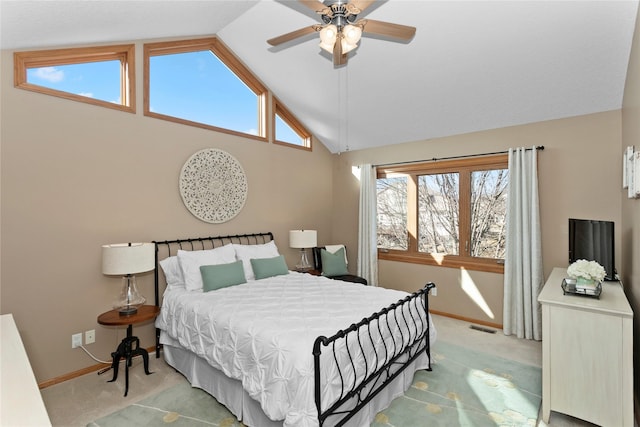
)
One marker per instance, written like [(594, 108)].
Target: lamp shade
[(352, 34), (328, 36), (303, 238), (128, 258)]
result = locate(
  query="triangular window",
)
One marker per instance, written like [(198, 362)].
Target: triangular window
[(288, 130)]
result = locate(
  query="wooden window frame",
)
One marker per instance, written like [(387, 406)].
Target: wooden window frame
[(51, 58), (464, 167), (225, 55), (286, 116)]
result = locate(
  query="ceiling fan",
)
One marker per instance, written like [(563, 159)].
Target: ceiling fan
[(341, 31)]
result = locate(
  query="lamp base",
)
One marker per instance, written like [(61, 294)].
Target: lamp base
[(127, 311), (303, 265), (129, 300)]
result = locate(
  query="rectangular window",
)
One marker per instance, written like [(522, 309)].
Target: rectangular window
[(392, 213), (488, 213), (450, 213), (103, 76), (438, 209)]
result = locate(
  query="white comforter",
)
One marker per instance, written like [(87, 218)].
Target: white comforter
[(262, 333)]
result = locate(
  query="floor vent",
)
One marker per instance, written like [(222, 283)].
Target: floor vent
[(480, 328)]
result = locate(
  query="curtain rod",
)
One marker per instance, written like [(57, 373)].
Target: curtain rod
[(435, 159)]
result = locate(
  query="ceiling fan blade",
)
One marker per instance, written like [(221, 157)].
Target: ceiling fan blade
[(388, 29), (292, 35), (316, 6), (362, 4)]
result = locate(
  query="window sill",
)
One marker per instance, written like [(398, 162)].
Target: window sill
[(468, 263)]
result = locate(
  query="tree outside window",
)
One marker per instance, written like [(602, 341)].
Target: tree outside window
[(450, 213)]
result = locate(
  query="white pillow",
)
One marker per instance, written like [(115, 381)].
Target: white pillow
[(172, 272), (245, 253), (190, 262)]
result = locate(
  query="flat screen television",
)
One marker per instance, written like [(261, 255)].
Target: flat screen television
[(593, 240)]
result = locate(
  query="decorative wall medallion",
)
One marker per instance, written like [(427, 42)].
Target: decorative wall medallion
[(213, 185)]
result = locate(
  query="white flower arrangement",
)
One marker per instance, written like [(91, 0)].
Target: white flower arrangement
[(589, 270)]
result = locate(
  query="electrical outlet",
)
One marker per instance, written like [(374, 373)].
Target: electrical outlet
[(76, 340), (90, 337), (434, 292)]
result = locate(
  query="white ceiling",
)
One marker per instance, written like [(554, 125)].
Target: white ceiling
[(472, 65)]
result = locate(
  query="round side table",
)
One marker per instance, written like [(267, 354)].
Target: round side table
[(130, 345)]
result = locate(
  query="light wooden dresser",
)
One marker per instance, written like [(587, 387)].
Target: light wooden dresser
[(587, 351)]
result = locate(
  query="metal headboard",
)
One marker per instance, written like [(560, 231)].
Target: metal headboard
[(167, 248)]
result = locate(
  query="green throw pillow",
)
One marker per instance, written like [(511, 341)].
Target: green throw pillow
[(333, 264), (222, 275), (269, 267)]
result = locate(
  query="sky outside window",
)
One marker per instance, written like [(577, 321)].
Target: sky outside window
[(98, 80), (197, 86), (284, 133)]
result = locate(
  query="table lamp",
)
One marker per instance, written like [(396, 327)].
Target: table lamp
[(303, 239), (126, 260)]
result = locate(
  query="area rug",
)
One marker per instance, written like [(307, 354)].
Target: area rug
[(465, 388)]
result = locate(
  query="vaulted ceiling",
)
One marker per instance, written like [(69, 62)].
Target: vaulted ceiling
[(472, 65)]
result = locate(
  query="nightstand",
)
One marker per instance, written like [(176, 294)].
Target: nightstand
[(314, 272), (130, 345)]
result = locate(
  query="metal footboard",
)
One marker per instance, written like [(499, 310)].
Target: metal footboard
[(387, 342)]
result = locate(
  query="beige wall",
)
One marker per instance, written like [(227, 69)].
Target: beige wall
[(630, 272), (579, 177), (76, 176)]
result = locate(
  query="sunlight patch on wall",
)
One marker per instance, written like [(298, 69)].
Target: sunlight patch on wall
[(355, 170), (469, 287)]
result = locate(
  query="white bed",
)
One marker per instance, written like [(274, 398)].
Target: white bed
[(250, 345)]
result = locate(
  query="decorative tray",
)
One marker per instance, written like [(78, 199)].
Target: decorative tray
[(570, 287)]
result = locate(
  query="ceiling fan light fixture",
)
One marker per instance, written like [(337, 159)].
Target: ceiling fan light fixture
[(346, 46), (351, 34), (328, 36), (350, 37)]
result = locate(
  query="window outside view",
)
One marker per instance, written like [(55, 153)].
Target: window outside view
[(97, 80), (392, 213), (439, 209), (454, 216), (192, 86), (489, 213), (284, 133), (198, 87)]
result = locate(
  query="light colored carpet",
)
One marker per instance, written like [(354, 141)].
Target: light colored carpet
[(79, 401), (180, 405), (464, 388)]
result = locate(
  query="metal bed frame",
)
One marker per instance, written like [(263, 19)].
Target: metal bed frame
[(395, 355)]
